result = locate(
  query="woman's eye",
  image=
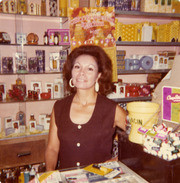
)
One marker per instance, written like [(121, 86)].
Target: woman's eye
[(90, 69), (76, 66)]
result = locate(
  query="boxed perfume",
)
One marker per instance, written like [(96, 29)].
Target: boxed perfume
[(7, 64), (21, 62), (40, 54)]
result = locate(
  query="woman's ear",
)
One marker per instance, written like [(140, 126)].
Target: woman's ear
[(99, 75)]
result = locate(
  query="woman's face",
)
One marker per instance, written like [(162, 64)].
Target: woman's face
[(85, 72)]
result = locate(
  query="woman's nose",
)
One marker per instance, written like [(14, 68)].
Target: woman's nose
[(82, 71)]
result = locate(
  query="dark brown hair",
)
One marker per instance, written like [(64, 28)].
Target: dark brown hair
[(103, 62)]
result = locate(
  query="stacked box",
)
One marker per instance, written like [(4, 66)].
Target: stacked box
[(172, 31), (118, 29), (128, 32), (170, 55), (162, 32), (120, 55)]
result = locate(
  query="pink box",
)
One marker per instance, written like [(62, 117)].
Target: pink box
[(63, 34)]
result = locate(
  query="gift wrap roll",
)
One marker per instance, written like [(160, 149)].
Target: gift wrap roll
[(146, 62)]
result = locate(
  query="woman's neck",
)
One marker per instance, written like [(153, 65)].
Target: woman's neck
[(84, 98)]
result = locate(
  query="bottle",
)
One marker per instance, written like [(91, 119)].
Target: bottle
[(56, 38), (65, 39), (46, 38), (32, 174)]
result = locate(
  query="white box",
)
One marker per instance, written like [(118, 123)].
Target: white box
[(15, 125), (8, 122), (147, 33), (50, 89)]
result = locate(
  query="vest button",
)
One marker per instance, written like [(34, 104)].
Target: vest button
[(79, 126), (78, 163)]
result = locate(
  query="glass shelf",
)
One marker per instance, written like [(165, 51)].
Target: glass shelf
[(143, 43), (148, 14), (41, 45), (125, 72), (22, 101), (29, 73)]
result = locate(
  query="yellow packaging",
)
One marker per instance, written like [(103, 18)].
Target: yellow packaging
[(22, 7), (162, 33), (5, 6), (168, 6), (12, 6), (175, 6), (161, 6), (63, 5), (74, 3), (149, 6), (21, 178)]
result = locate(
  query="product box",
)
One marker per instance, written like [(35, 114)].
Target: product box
[(7, 65), (171, 104), (21, 62), (40, 54), (54, 61), (149, 6), (49, 89), (123, 5), (147, 33), (63, 36), (32, 64), (12, 6)]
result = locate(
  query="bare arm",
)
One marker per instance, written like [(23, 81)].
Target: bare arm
[(120, 118), (52, 150)]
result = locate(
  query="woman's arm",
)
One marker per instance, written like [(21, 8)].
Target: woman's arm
[(120, 118), (52, 150)]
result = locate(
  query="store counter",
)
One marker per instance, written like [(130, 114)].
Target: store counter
[(119, 173), (150, 167)]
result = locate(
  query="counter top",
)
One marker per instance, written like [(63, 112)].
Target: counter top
[(120, 171)]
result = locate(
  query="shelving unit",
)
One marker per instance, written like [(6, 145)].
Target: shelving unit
[(30, 23)]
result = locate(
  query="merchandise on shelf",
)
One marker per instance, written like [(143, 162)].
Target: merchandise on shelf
[(161, 141), (5, 38), (161, 6), (7, 65), (147, 31), (123, 90), (2, 91), (120, 57), (21, 62), (58, 36), (32, 38)]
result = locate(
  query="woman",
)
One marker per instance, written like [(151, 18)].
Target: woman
[(83, 124)]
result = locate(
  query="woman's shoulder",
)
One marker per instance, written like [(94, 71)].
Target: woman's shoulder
[(103, 99)]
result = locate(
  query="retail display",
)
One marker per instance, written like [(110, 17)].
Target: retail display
[(37, 59), (161, 141)]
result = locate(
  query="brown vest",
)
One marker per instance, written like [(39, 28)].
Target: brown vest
[(87, 143)]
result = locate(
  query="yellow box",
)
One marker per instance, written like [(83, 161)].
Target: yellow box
[(161, 6), (149, 6)]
